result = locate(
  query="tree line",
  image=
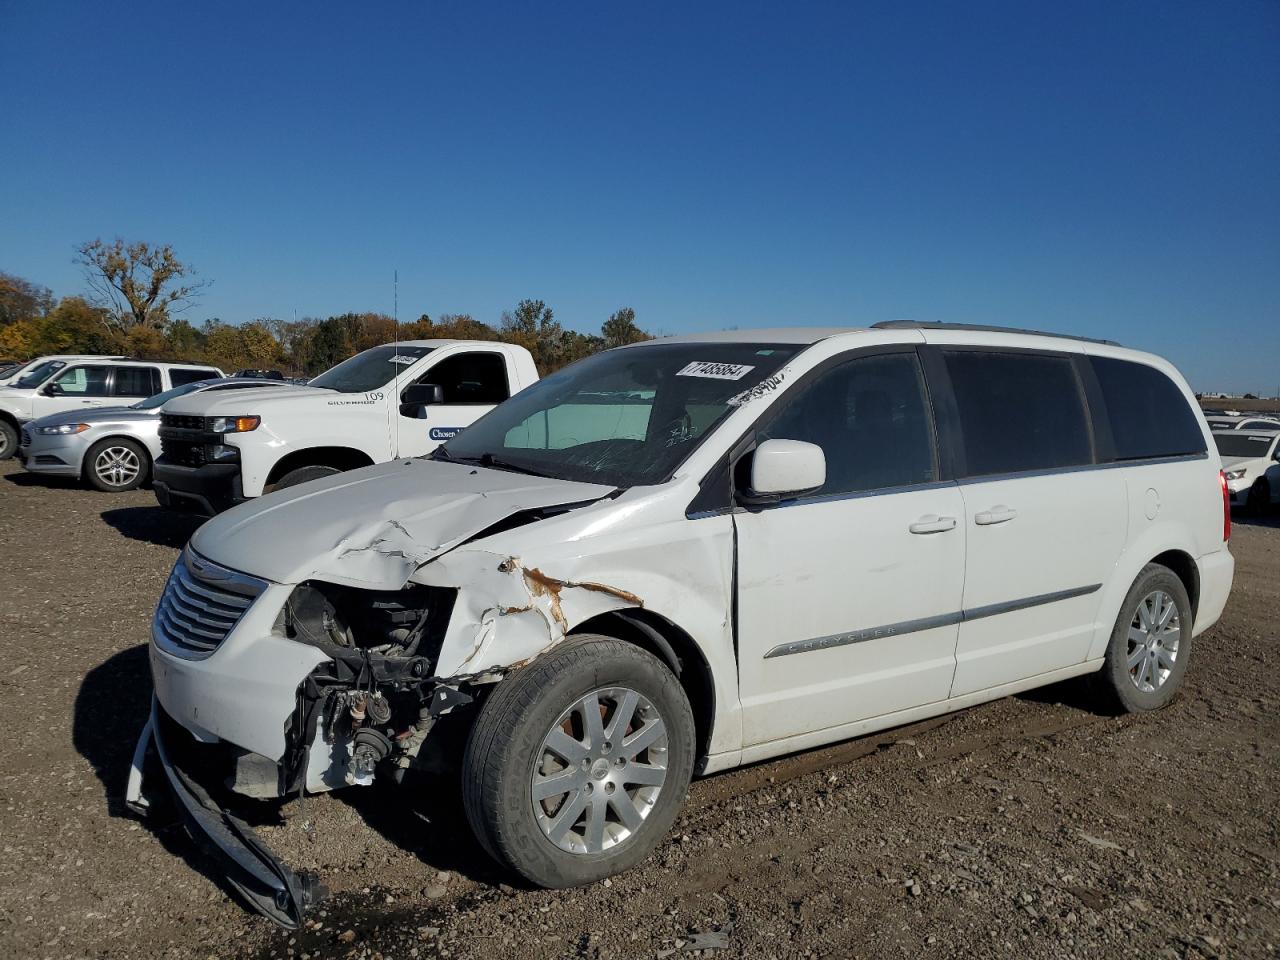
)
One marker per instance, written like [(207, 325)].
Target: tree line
[(134, 291)]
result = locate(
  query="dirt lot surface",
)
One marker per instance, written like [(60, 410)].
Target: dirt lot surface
[(1030, 827)]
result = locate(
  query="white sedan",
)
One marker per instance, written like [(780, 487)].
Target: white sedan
[(1251, 464)]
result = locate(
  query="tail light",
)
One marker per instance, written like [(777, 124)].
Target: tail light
[(1226, 507)]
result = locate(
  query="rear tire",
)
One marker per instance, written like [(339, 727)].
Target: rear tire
[(116, 464), (303, 475), (624, 784), (1150, 643), (8, 440)]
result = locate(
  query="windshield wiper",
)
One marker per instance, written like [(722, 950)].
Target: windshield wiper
[(492, 462), (497, 463)]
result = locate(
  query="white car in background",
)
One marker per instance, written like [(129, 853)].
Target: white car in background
[(37, 371), (84, 385), (1251, 464), (396, 400), (113, 448), (1257, 422)]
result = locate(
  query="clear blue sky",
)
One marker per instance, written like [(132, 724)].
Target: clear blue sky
[(1110, 169)]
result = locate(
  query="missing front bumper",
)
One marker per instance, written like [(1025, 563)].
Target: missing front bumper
[(265, 883)]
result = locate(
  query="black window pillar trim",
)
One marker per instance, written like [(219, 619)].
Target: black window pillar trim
[(946, 414), (1104, 445)]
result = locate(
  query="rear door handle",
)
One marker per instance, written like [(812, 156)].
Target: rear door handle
[(999, 514), (932, 523)]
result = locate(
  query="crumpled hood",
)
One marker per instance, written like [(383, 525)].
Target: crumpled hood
[(97, 415), (375, 526)]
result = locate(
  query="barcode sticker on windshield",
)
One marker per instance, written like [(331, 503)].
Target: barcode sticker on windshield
[(401, 359), (715, 371)]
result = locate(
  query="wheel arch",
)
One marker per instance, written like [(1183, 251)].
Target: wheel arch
[(1184, 566), (1169, 545), (678, 650), (341, 458)]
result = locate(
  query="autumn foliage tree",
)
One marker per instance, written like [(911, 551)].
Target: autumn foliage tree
[(620, 329), (137, 288), (22, 300), (139, 285)]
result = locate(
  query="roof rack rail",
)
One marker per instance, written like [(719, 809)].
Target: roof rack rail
[(980, 328)]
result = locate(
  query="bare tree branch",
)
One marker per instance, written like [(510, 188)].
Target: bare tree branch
[(136, 283)]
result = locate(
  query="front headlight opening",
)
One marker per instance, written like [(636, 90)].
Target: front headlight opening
[(1236, 474), (233, 424), (62, 429)]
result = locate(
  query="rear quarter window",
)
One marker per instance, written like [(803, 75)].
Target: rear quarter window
[(1148, 413), (180, 377)]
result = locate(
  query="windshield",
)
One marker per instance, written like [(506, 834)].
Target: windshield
[(369, 370), (160, 399), (626, 417), (1244, 444), (39, 374)]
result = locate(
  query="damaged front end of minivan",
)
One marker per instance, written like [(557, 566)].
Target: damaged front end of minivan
[(374, 669)]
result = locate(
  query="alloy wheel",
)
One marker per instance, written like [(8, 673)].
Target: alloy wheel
[(117, 466), (599, 771), (1154, 636)]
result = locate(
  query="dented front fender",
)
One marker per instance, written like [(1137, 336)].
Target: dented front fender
[(508, 613)]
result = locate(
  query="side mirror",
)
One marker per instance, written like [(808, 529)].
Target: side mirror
[(781, 469), (417, 397), (51, 390)]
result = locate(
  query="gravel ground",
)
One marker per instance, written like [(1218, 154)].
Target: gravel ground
[(1031, 827)]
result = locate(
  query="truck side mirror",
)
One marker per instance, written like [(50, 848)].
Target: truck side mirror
[(417, 397), (51, 390)]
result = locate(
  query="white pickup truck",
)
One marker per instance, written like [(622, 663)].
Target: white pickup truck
[(396, 400)]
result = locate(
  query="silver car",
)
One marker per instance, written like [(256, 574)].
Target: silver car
[(113, 448)]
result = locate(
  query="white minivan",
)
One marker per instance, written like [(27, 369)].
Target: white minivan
[(681, 556)]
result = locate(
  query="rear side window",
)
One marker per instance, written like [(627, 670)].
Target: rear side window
[(136, 382), (871, 419), (1018, 411), (181, 377), (1149, 415)]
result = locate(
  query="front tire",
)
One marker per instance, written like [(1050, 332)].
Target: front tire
[(304, 475), (116, 464), (8, 440), (1150, 643), (578, 763)]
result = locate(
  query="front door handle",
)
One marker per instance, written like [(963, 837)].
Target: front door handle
[(999, 514), (932, 523)]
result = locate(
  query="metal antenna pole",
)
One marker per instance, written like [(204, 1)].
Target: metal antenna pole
[(393, 403)]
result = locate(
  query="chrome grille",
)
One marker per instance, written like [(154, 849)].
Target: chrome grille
[(201, 605)]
